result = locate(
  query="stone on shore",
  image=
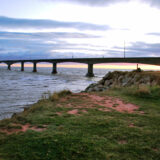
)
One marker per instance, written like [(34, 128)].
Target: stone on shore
[(124, 79)]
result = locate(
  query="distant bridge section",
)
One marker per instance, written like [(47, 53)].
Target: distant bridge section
[(89, 61)]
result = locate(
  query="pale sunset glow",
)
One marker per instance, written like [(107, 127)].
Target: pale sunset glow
[(97, 66), (37, 29)]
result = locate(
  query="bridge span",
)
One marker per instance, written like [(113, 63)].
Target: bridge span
[(89, 61)]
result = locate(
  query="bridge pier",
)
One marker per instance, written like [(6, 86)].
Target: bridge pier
[(54, 69), (9, 66), (90, 71), (34, 66), (22, 66)]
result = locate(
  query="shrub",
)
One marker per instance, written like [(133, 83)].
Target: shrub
[(56, 95), (143, 91), (155, 91), (64, 93)]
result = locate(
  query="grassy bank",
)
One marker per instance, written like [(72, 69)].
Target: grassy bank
[(81, 127)]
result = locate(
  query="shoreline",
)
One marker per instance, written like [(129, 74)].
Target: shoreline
[(19, 88), (97, 86), (12, 113)]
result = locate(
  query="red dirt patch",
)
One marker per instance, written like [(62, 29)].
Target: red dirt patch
[(131, 125), (141, 112), (84, 111), (96, 98), (122, 142), (23, 128), (59, 113), (103, 103), (74, 111), (104, 109), (113, 103), (155, 150), (69, 105)]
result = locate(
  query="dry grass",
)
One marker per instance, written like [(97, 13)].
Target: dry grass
[(57, 95), (142, 90)]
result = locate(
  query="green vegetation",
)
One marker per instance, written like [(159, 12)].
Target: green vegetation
[(89, 135), (139, 91)]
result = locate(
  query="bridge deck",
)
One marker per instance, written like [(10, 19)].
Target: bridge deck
[(144, 60), (89, 61)]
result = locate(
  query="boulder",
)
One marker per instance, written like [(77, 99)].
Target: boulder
[(108, 82), (113, 79)]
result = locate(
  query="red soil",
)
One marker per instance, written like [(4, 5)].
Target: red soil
[(74, 111), (84, 111), (131, 125), (106, 104), (122, 142), (113, 103), (59, 113), (23, 128)]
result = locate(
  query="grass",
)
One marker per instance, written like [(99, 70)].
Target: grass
[(95, 135)]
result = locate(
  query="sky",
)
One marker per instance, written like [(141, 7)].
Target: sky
[(37, 29)]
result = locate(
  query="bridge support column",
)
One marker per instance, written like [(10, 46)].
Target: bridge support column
[(137, 66), (22, 66), (54, 70), (9, 66), (34, 66), (90, 71)]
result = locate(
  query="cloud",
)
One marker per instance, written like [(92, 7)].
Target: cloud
[(91, 2), (154, 34), (14, 23), (43, 45), (102, 3), (62, 45), (155, 3), (141, 49), (45, 35)]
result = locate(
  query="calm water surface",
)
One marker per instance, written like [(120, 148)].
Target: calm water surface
[(19, 89)]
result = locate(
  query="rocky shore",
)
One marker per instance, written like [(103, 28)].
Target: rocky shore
[(125, 79)]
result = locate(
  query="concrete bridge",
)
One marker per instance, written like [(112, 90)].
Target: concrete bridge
[(89, 61)]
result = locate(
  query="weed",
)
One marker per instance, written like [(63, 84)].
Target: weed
[(57, 95), (141, 91)]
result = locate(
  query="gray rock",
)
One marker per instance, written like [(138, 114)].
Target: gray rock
[(120, 79), (147, 79), (101, 81), (108, 82), (106, 76), (124, 84), (136, 77), (89, 90), (154, 83)]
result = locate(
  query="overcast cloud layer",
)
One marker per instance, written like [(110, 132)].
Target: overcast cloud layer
[(54, 45), (6, 22), (103, 3), (15, 45)]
